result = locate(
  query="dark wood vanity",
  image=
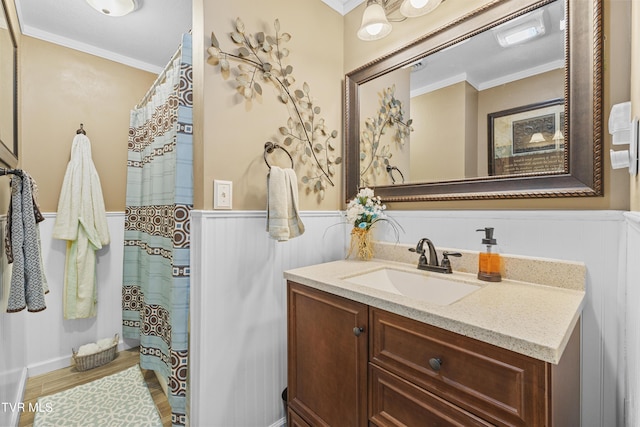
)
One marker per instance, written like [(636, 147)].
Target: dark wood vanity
[(351, 364)]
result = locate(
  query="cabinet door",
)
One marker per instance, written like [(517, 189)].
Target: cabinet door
[(295, 420), (327, 384)]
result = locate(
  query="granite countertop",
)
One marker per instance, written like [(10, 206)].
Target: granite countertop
[(534, 319)]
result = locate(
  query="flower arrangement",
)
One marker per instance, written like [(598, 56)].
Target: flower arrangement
[(363, 212), (365, 209)]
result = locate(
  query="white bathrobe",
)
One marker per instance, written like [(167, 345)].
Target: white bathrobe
[(81, 221)]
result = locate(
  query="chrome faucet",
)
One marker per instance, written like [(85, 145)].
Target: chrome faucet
[(432, 264)]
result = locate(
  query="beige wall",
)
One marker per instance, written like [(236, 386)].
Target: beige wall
[(635, 89), (62, 88), (234, 131), (438, 141), (471, 154), (616, 87)]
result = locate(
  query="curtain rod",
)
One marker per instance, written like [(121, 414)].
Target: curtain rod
[(160, 78)]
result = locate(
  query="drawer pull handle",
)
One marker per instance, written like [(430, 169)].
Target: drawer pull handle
[(435, 363), (357, 331)]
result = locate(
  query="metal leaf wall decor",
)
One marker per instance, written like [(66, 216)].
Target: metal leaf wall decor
[(260, 59), (374, 155)]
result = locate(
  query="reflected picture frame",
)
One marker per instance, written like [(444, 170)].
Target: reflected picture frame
[(527, 140)]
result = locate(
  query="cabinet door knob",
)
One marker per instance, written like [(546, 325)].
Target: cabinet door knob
[(357, 331), (435, 363)]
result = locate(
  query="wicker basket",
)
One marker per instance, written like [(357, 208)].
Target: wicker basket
[(90, 361)]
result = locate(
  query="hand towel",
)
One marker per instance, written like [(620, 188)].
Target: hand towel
[(283, 219), (87, 349), (105, 343), (28, 283)]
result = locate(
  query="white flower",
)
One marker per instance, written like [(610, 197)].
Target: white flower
[(365, 192)]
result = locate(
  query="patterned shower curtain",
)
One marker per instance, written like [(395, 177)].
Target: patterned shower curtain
[(155, 292)]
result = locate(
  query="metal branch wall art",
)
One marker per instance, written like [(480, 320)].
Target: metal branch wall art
[(374, 155), (260, 59)]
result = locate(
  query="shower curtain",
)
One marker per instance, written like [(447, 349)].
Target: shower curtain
[(155, 292)]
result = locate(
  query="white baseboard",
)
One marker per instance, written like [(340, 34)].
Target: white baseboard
[(49, 365), (280, 422), (15, 416), (62, 362)]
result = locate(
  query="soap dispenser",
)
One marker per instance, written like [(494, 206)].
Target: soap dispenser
[(489, 262)]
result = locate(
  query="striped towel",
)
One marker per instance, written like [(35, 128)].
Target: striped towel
[(28, 283)]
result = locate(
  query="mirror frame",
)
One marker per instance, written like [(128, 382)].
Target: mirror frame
[(583, 107), (9, 149)]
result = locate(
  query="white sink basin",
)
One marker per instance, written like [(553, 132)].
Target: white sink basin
[(426, 287)]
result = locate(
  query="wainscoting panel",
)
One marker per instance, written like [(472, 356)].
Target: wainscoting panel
[(41, 342), (238, 327), (13, 348), (632, 336), (50, 338), (238, 312)]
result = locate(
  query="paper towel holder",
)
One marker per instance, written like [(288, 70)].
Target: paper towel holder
[(624, 131)]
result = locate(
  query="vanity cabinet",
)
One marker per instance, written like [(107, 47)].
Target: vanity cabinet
[(327, 358), (416, 374)]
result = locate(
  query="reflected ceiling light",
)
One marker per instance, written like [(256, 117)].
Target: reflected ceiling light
[(521, 30), (113, 7), (413, 8), (558, 135), (375, 24), (537, 137)]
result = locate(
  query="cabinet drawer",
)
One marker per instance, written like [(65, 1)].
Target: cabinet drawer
[(396, 402), (498, 385)]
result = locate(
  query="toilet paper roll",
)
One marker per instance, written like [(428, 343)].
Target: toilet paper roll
[(619, 159)]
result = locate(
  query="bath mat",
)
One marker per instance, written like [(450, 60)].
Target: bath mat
[(121, 399)]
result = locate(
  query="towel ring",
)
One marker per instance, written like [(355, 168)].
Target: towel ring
[(269, 147), (390, 170)]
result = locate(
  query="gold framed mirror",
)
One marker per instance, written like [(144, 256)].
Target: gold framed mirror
[(8, 90), (574, 143)]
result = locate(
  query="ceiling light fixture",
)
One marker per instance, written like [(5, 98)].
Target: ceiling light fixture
[(113, 7), (413, 8), (375, 24), (524, 29)]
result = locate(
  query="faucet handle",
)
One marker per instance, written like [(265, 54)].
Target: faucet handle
[(446, 254), (445, 260), (420, 250)]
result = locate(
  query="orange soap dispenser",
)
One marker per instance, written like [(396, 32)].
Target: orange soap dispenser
[(489, 262)]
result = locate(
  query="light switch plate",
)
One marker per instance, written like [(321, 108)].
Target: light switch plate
[(222, 194)]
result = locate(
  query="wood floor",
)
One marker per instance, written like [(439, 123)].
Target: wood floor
[(64, 379)]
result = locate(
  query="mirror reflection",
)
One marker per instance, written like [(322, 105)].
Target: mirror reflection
[(8, 150), (489, 106)]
